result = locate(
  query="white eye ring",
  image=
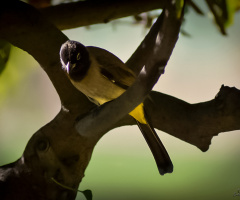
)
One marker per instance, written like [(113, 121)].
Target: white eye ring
[(78, 56)]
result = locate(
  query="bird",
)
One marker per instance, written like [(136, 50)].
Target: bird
[(103, 77)]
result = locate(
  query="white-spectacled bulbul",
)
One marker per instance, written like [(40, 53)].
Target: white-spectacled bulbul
[(102, 77)]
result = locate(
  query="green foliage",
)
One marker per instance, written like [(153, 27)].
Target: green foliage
[(232, 7), (179, 7), (223, 12)]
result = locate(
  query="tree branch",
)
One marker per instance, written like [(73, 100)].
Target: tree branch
[(57, 150), (102, 118), (193, 123), (76, 14), (147, 50), (26, 28), (197, 123)]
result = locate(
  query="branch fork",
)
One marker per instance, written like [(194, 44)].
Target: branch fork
[(62, 148)]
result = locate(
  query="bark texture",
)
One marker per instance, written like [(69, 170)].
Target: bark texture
[(62, 148)]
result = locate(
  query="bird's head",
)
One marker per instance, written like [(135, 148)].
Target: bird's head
[(75, 59)]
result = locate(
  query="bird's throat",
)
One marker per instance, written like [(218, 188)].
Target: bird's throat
[(79, 72)]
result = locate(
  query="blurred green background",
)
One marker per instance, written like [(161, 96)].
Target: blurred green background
[(122, 166)]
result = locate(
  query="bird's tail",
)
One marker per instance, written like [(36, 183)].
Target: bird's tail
[(159, 152)]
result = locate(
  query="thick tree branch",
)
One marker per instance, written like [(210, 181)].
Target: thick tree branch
[(76, 14), (103, 118), (144, 53), (193, 123), (196, 123), (57, 150), (26, 28)]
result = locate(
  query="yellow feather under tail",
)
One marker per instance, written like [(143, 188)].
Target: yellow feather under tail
[(138, 114)]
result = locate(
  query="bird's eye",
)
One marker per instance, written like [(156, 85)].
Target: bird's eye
[(78, 56)]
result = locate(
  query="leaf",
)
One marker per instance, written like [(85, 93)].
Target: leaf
[(195, 7), (179, 7), (5, 48), (223, 12), (88, 194), (219, 11), (232, 7)]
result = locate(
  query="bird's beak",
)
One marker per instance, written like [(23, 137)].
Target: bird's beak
[(67, 67)]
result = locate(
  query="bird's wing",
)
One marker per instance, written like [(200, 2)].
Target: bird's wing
[(112, 67)]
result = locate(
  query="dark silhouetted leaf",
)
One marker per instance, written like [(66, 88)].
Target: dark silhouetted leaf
[(195, 7), (5, 48), (223, 12), (87, 194)]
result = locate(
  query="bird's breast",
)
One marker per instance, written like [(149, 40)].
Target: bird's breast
[(98, 87)]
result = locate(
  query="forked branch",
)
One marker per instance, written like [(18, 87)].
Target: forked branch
[(163, 40)]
